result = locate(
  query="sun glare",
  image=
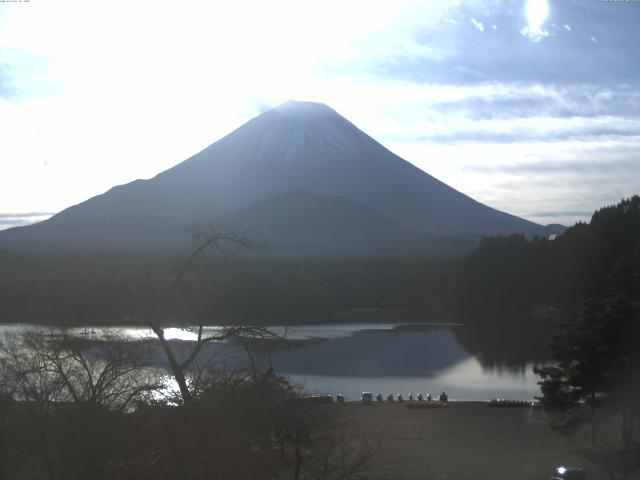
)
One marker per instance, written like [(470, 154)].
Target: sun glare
[(537, 11)]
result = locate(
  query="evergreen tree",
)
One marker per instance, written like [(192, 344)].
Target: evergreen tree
[(595, 357)]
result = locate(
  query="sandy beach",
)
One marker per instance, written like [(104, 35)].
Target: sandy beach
[(467, 440)]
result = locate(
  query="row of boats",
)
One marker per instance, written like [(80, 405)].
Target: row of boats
[(443, 399), (419, 401), (502, 403)]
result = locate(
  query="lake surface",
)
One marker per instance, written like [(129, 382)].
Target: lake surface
[(381, 358)]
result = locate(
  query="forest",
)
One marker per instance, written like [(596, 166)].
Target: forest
[(512, 290), (83, 289)]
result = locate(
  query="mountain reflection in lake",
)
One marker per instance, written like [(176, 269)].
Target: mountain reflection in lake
[(403, 359), (378, 357), (401, 351)]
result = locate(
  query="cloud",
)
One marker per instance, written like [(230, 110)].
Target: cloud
[(525, 177), (597, 168), (499, 101), (8, 220), (477, 24), (567, 27), (562, 213), (529, 129), (498, 113), (534, 34), (593, 39), (508, 55), (4, 216), (6, 88)]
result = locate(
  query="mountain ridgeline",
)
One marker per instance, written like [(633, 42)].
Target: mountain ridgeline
[(301, 178)]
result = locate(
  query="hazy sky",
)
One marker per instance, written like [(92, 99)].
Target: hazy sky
[(531, 106)]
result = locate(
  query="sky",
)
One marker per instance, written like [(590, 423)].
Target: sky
[(529, 106)]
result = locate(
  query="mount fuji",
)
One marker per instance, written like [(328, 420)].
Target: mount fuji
[(299, 176)]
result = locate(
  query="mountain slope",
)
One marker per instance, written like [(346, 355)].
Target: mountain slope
[(297, 146), (299, 223)]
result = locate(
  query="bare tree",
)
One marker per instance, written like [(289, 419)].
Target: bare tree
[(206, 239), (68, 396), (57, 366), (154, 294)]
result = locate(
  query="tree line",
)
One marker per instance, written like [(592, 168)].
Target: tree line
[(80, 289), (594, 378), (512, 290)]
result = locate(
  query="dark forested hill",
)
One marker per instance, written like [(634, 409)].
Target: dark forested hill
[(512, 288), (83, 290)]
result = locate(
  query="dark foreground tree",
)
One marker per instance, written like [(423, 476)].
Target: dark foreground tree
[(155, 297), (64, 401), (96, 408), (594, 379), (75, 408)]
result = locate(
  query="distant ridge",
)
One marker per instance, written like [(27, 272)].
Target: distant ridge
[(298, 153)]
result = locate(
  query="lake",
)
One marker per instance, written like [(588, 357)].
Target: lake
[(381, 358)]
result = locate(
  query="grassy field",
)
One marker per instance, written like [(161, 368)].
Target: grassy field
[(468, 440)]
